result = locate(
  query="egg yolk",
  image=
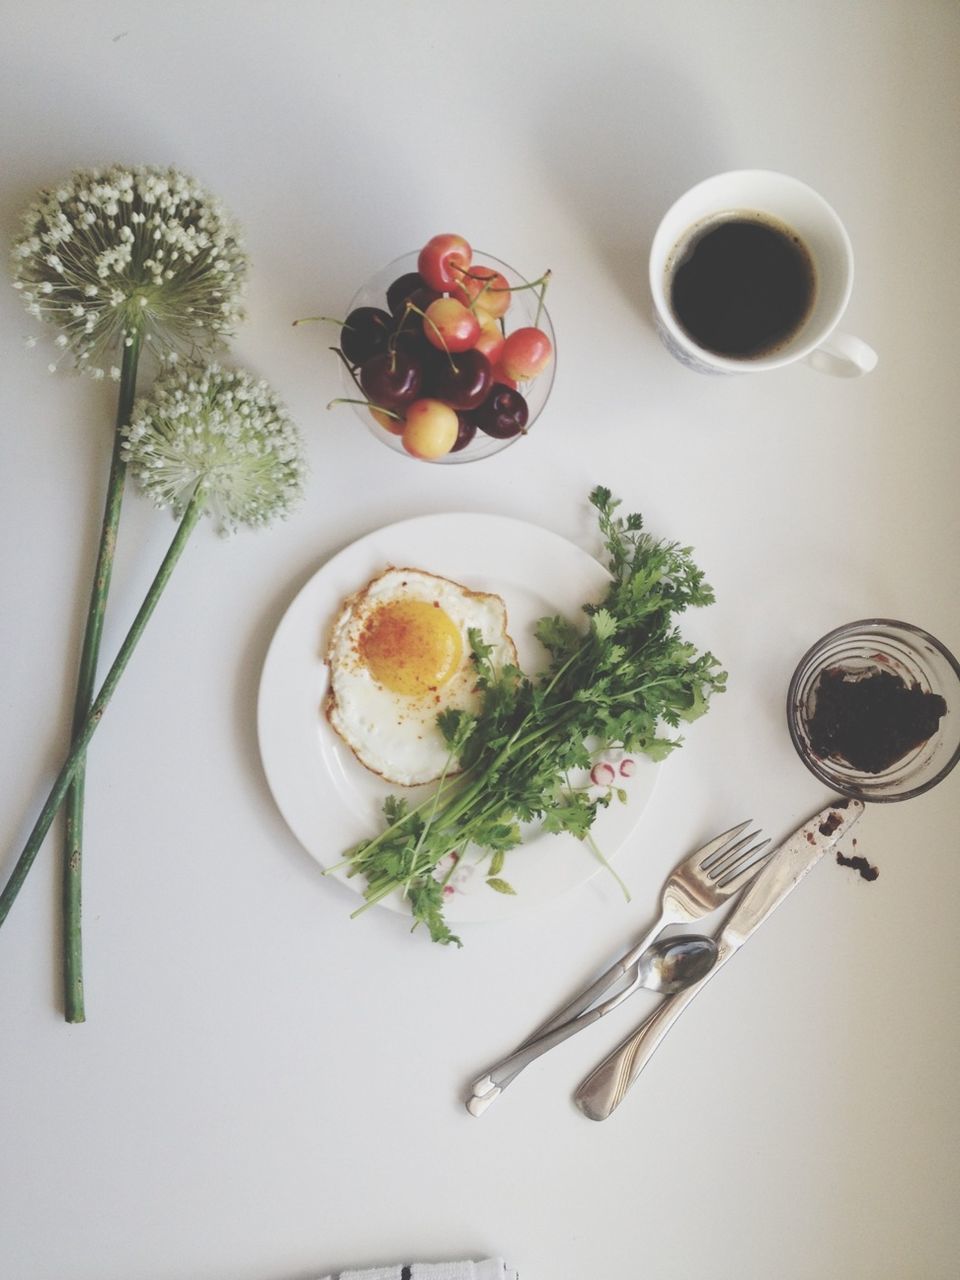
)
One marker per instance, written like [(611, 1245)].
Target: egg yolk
[(411, 647)]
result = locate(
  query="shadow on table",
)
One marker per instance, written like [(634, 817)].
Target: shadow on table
[(645, 135)]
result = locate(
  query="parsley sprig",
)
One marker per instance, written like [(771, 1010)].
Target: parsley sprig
[(625, 680)]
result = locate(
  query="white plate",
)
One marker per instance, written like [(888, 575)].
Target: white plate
[(329, 800)]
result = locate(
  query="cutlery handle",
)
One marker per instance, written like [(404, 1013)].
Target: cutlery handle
[(606, 1086), (563, 1024), (488, 1087)]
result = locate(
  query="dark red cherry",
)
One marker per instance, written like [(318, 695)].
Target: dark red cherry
[(365, 332), (503, 414), (411, 286), (465, 434), (391, 379), (463, 382), (411, 341)]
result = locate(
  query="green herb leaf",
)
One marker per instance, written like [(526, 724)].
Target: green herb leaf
[(456, 727), (501, 886), (558, 635), (604, 624)]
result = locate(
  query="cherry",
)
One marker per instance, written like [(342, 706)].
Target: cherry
[(393, 425), (401, 289), (491, 338), (442, 259), (464, 384), (503, 414), (410, 288), (451, 326), (526, 352), (484, 287), (501, 377), (465, 434), (391, 379), (365, 332), (431, 429), (412, 341)]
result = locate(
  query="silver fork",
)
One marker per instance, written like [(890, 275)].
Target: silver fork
[(695, 887)]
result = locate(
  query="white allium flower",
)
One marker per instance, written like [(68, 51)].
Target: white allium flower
[(221, 429), (121, 250)]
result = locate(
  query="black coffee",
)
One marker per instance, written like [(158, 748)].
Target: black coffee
[(742, 286)]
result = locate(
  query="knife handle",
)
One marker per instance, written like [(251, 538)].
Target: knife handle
[(606, 1086)]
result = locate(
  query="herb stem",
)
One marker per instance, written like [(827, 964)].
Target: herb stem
[(426, 826), (605, 862), (359, 853)]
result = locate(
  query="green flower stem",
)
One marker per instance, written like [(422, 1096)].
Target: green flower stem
[(86, 687), (74, 760)]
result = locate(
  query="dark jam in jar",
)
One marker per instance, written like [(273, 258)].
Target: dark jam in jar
[(871, 720)]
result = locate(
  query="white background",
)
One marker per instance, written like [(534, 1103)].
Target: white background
[(265, 1090)]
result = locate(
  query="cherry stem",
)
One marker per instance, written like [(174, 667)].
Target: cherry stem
[(326, 319), (368, 404), (413, 307), (396, 332), (489, 287), (544, 281), (348, 366)]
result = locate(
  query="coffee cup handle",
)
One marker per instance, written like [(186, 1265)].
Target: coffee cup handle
[(844, 356)]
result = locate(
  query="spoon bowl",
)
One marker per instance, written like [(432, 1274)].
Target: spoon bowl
[(673, 963)]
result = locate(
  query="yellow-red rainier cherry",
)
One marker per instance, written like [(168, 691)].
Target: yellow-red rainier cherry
[(393, 425), (431, 429), (526, 352), (485, 288), (442, 260), (500, 375), (490, 341), (450, 326)]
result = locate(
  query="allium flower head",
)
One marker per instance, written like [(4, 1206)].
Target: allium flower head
[(223, 430), (121, 250)]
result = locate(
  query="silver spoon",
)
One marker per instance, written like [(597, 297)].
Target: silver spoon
[(666, 967)]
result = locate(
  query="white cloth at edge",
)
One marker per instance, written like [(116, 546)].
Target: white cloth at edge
[(489, 1269)]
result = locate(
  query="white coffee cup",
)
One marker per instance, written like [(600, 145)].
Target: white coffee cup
[(800, 208)]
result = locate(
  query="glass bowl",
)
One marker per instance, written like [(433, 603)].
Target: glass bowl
[(858, 650), (522, 312)]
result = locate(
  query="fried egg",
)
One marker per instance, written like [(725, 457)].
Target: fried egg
[(399, 654)]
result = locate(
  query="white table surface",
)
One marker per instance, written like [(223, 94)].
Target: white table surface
[(265, 1090)]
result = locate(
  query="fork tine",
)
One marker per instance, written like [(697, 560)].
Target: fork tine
[(721, 862), (706, 854), (747, 866)]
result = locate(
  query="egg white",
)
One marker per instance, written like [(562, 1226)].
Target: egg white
[(393, 734)]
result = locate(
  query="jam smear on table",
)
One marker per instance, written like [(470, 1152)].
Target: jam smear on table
[(858, 863), (871, 721)]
